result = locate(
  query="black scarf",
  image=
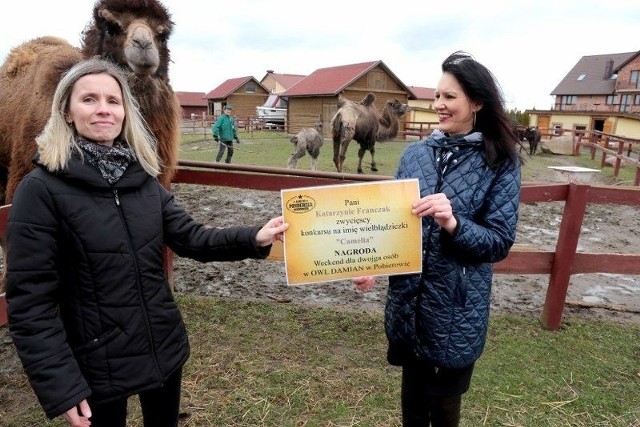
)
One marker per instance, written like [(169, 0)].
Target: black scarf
[(110, 161)]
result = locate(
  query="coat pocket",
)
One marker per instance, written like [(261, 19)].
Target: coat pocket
[(96, 342)]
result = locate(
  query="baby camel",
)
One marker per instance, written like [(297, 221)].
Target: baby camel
[(308, 140)]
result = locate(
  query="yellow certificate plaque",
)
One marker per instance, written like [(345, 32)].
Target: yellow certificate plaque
[(348, 230)]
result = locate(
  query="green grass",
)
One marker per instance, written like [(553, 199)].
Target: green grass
[(270, 364), (274, 148), (269, 148)]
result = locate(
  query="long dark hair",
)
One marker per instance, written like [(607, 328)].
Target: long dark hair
[(480, 85)]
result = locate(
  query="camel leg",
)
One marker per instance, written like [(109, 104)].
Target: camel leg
[(293, 162), (373, 160), (339, 153), (336, 155), (297, 155), (314, 153), (361, 152)]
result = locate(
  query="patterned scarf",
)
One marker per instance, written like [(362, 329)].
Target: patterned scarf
[(110, 161), (443, 140), (447, 145)]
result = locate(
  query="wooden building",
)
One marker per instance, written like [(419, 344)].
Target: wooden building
[(243, 93), (423, 116), (316, 96), (193, 104)]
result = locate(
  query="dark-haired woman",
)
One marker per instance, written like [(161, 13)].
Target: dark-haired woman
[(469, 172)]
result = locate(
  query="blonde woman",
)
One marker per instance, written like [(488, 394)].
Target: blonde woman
[(90, 309)]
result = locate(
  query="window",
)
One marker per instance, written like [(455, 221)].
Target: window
[(612, 99), (581, 77), (568, 100), (377, 80), (625, 102), (557, 129), (250, 87), (637, 102), (634, 78)]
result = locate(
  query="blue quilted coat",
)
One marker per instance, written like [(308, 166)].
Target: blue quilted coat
[(441, 316)]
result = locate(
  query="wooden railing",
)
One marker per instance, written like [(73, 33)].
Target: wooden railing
[(419, 129), (559, 264), (624, 147)]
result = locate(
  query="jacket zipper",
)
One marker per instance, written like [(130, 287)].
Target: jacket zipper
[(441, 172), (116, 198)]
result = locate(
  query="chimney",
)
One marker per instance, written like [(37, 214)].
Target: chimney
[(608, 69), (269, 71)]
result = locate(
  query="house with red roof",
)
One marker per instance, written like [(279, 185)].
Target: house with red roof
[(316, 95), (243, 93), (422, 118), (193, 104)]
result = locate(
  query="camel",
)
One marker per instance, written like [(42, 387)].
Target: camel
[(308, 140), (133, 35), (364, 123)]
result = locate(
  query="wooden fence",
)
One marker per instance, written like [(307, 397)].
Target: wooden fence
[(559, 264), (620, 148)]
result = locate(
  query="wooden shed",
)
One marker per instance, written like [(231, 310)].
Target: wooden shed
[(316, 96), (193, 104), (243, 93)]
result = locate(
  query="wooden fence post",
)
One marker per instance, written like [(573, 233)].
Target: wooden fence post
[(565, 254)]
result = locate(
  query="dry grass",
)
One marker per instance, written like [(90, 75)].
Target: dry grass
[(270, 364)]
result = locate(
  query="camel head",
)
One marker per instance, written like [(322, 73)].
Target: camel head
[(131, 34), (398, 108)]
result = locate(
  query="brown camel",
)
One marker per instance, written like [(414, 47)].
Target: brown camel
[(364, 123), (131, 34)]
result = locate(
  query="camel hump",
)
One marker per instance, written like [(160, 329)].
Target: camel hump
[(39, 50), (368, 100)]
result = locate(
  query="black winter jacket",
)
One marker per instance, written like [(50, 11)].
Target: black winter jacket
[(441, 316), (90, 309)]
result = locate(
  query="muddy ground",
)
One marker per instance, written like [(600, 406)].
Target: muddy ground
[(606, 228)]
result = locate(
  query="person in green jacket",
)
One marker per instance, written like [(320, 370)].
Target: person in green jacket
[(224, 131)]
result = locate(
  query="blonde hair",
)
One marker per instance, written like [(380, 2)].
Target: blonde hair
[(58, 139)]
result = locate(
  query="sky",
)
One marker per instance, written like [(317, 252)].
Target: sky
[(529, 46)]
